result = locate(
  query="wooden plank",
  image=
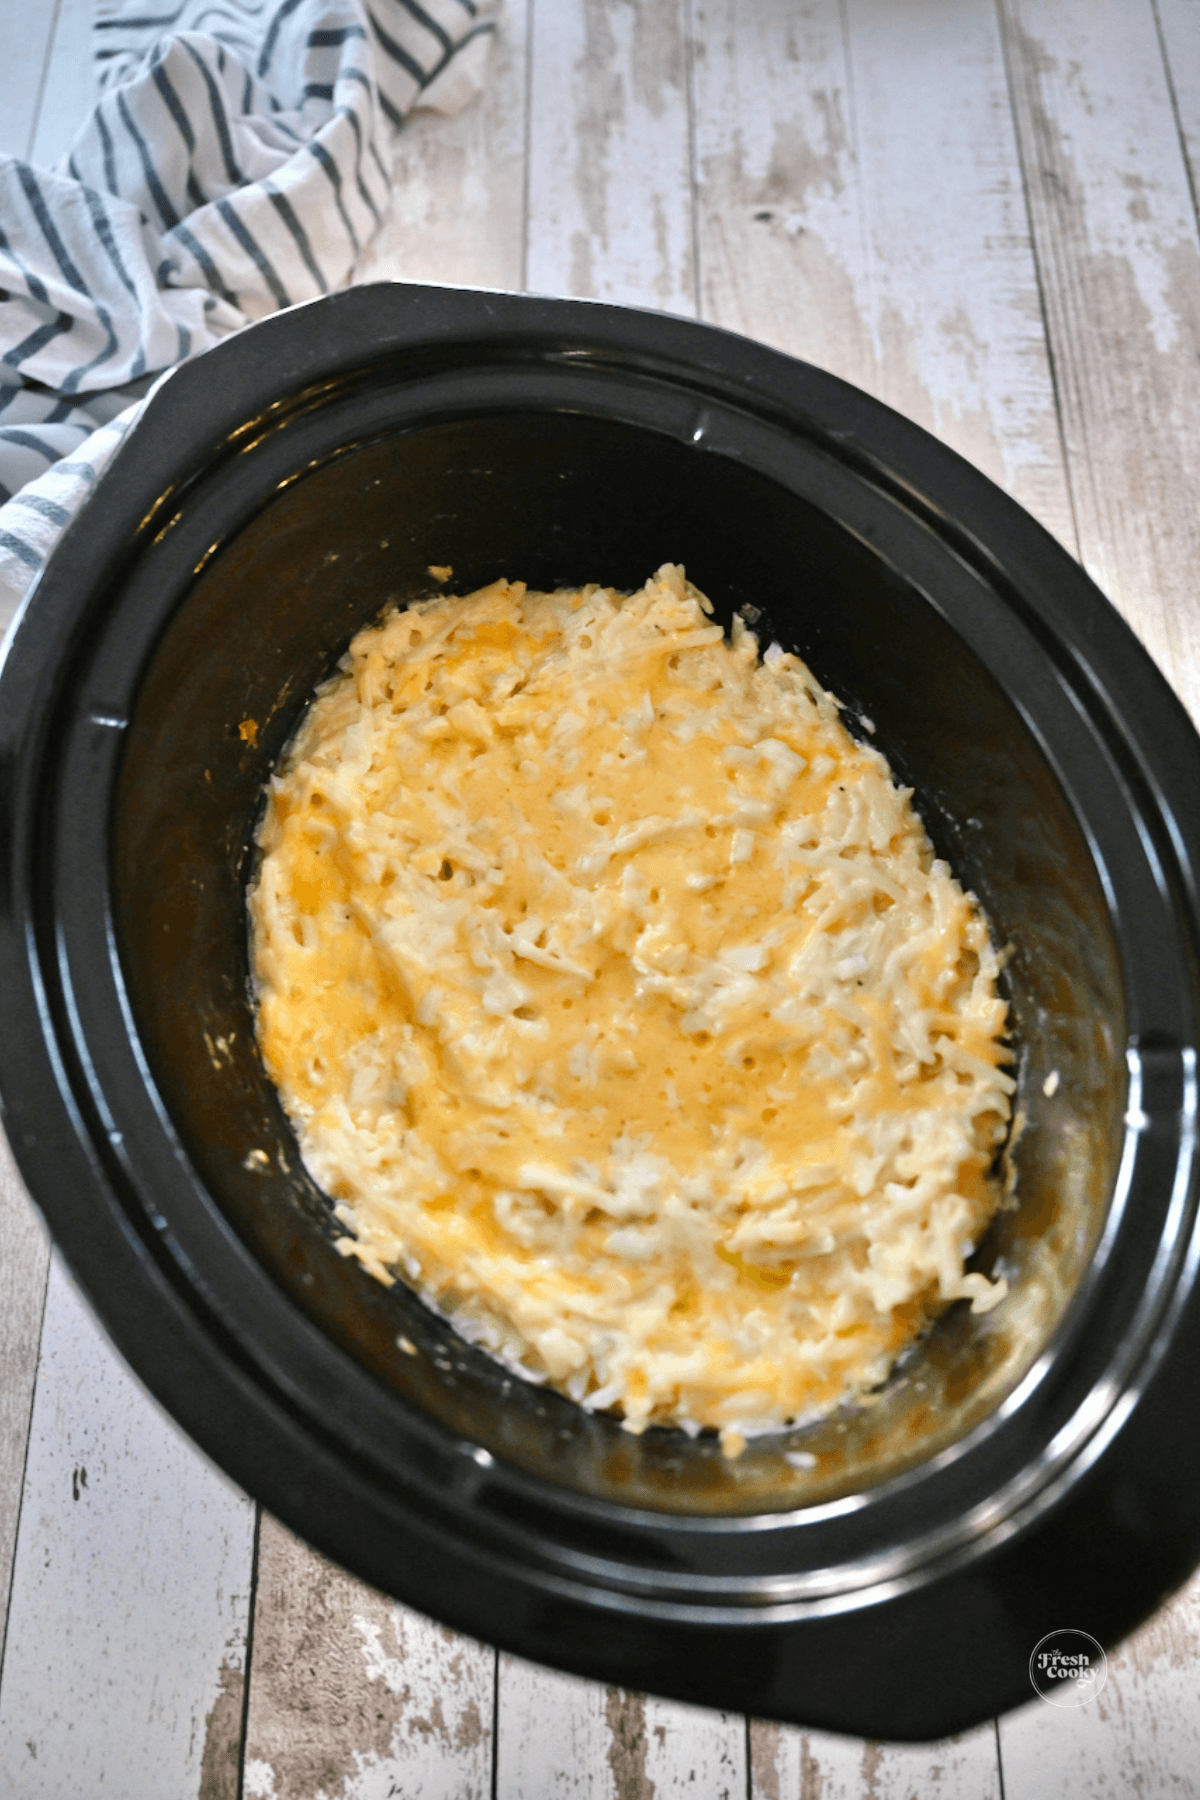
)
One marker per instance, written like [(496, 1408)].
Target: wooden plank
[(1179, 29), (354, 1696), (1116, 238), (778, 185), (793, 1765), (559, 1737), (458, 213), (957, 319), (23, 1267), (26, 32), (1140, 1736), (124, 1664), (860, 205), (609, 160), (390, 1702), (69, 91), (1115, 232), (609, 217)]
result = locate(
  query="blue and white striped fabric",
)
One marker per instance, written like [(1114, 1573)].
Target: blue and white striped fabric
[(237, 161)]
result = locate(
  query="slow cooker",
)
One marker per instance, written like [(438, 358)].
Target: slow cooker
[(1024, 1470)]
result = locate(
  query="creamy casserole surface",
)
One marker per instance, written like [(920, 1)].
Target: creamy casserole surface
[(621, 1005)]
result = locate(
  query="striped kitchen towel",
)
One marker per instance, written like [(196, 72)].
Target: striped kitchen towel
[(236, 161)]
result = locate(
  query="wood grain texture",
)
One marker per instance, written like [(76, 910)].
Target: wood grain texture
[(861, 206), (1179, 29), (609, 162), (24, 1259), (69, 90), (26, 33), (1139, 1740), (609, 217), (125, 1658), (458, 213), (813, 1765), (353, 1697), (558, 1737), (1116, 239), (779, 197), (1114, 228)]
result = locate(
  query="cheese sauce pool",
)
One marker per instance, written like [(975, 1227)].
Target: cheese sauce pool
[(621, 1006)]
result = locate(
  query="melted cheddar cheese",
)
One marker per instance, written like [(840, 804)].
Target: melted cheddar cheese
[(620, 1004)]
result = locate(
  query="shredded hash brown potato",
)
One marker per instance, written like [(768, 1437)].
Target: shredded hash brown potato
[(620, 1003)]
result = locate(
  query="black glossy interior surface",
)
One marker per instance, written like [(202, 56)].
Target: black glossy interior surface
[(557, 498)]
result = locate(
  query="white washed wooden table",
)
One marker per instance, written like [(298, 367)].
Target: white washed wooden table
[(984, 211)]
